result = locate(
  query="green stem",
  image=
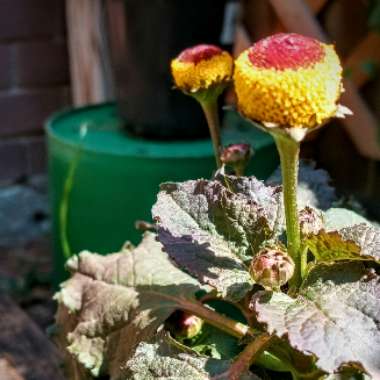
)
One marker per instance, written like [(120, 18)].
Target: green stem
[(270, 361), (289, 156), (210, 109), (255, 350), (236, 329), (239, 170), (303, 259)]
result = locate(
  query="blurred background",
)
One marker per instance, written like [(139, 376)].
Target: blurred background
[(83, 177)]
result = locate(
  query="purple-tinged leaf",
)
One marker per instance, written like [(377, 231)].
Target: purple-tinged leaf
[(113, 302), (212, 229), (159, 360), (336, 317), (358, 242)]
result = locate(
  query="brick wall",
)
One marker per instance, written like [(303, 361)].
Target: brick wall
[(34, 81)]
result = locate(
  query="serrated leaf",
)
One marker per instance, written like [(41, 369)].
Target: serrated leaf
[(160, 361), (358, 242), (336, 317), (314, 189), (211, 231), (267, 198), (119, 300)]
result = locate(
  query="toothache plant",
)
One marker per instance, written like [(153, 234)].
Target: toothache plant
[(203, 72), (239, 279)]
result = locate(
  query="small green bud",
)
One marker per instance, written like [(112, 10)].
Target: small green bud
[(237, 156), (272, 268)]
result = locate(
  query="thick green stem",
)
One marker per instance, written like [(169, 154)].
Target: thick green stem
[(289, 156), (303, 259), (254, 351), (239, 170), (210, 109), (234, 328)]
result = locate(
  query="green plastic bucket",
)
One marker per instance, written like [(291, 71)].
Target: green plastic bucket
[(102, 180)]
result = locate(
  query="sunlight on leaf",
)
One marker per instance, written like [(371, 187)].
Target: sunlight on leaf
[(336, 317)]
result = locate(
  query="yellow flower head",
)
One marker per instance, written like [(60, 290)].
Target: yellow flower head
[(288, 80), (201, 67)]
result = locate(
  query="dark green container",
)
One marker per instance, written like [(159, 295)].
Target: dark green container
[(115, 177)]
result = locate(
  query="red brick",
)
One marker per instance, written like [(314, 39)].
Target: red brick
[(31, 18), (36, 154), (13, 160), (26, 111), (5, 66), (41, 63)]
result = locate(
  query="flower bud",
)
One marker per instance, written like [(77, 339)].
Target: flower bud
[(237, 156), (290, 81), (183, 325), (202, 70), (272, 268)]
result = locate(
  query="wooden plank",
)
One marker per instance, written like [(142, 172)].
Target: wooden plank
[(316, 5), (368, 50), (258, 18), (8, 371), (298, 18), (116, 21), (346, 23), (25, 351), (91, 80), (362, 126)]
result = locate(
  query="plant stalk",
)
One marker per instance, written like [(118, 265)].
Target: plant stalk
[(247, 357), (289, 155), (239, 170), (303, 259), (210, 109), (236, 329), (255, 350)]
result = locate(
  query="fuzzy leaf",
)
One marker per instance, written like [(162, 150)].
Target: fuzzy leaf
[(212, 228), (314, 189), (358, 242), (119, 300), (337, 218), (347, 375), (164, 362), (336, 317)]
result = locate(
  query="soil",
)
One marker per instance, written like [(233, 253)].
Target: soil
[(26, 299)]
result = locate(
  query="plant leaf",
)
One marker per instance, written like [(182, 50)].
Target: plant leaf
[(117, 301), (347, 375), (336, 218), (159, 360), (336, 317), (211, 228), (358, 242)]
